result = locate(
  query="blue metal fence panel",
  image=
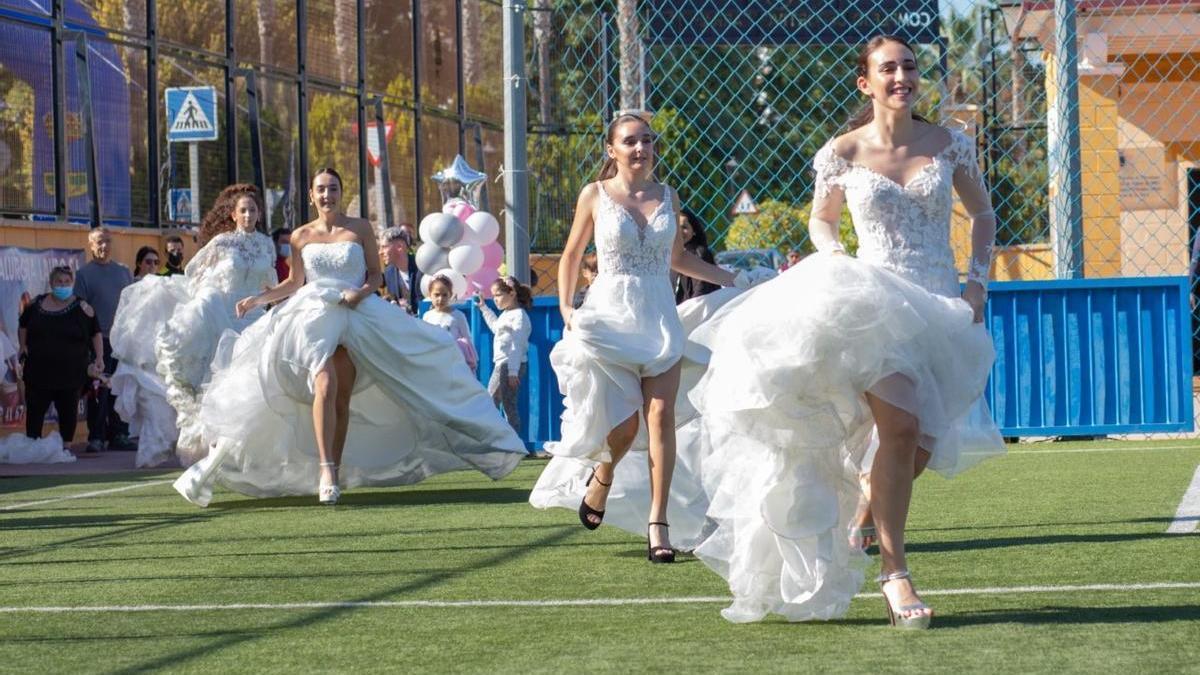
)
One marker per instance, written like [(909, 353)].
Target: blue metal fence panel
[(1073, 357), (1091, 356)]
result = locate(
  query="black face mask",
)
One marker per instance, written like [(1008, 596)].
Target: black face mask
[(174, 259)]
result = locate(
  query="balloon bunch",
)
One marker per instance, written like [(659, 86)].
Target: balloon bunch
[(460, 243)]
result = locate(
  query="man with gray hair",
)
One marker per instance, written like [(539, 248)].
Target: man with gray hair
[(401, 278)]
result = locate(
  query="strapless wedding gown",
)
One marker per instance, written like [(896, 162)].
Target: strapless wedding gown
[(416, 410)]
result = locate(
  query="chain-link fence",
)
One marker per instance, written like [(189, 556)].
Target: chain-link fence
[(744, 93), (296, 71)]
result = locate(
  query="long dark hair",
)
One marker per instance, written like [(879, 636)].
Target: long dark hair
[(327, 170), (142, 253), (524, 294), (866, 113), (609, 168), (699, 238), (219, 218)]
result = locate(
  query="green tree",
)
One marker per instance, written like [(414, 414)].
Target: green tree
[(782, 226)]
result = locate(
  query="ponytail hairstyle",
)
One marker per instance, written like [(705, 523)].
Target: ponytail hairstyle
[(609, 168), (866, 113), (331, 172), (510, 284)]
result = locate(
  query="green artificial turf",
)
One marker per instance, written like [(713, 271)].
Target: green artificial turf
[(1044, 515)]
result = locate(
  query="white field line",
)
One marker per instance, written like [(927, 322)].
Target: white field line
[(84, 495), (1187, 516), (1105, 448), (582, 602)]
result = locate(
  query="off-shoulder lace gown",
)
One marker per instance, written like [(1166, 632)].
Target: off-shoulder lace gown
[(416, 410), (785, 431), (166, 331)]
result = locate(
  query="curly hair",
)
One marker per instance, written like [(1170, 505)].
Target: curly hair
[(219, 218)]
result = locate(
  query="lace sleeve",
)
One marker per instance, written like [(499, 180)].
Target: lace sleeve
[(828, 197), (972, 189), (264, 262), (201, 263)]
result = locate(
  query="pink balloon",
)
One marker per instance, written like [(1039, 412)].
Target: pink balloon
[(483, 278), (493, 255), (459, 208)]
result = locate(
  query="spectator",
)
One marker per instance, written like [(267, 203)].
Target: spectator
[(510, 346), (401, 278), (588, 269), (99, 283), (283, 251), (695, 241), (794, 256), (146, 263), (174, 256), (412, 233), (59, 334)]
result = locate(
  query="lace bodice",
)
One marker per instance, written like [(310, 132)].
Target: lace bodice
[(342, 261), (624, 247), (905, 228), (237, 263)]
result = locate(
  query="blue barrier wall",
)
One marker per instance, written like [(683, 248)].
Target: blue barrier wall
[(1091, 356), (1073, 357)]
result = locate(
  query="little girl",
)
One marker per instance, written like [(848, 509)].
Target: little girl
[(443, 315), (511, 330)]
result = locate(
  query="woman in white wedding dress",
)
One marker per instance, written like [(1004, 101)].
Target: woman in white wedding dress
[(338, 388), (618, 360), (804, 368), (166, 329)]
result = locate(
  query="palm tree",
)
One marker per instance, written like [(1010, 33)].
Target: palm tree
[(543, 24), (631, 55)]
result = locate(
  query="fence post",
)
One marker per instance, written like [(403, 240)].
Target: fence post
[(1066, 208), (516, 177)]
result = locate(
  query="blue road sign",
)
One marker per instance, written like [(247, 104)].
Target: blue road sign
[(179, 204), (191, 114)]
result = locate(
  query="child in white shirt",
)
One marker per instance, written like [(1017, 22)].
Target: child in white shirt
[(443, 315), (511, 343)]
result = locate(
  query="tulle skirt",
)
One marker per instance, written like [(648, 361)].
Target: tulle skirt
[(416, 410), (561, 483), (141, 395), (785, 431)]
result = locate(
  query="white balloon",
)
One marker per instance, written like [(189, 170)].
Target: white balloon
[(431, 257), (482, 228), (466, 259), (442, 229), (458, 283)]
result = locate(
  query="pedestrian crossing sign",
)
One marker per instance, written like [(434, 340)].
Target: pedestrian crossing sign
[(191, 114)]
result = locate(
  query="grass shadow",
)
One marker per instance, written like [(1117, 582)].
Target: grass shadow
[(388, 498), (1043, 540)]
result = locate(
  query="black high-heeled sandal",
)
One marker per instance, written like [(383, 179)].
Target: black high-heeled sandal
[(585, 511), (658, 554)]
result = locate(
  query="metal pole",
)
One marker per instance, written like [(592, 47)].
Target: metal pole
[(364, 190), (384, 170), (516, 176), (254, 108), (152, 112), (461, 110), (84, 75), (194, 175), (302, 103), (231, 144), (1065, 168), (62, 165), (419, 184)]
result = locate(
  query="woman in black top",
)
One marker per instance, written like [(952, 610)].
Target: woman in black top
[(59, 337), (696, 241)]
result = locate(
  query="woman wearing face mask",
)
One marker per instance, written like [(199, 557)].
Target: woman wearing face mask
[(884, 345), (336, 387), (167, 328), (60, 342)]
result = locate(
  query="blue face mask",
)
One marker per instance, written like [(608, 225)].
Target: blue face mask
[(62, 292)]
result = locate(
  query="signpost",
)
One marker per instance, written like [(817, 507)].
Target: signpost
[(375, 156), (191, 118), (744, 205)]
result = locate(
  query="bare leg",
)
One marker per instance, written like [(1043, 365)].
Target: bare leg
[(891, 492), (346, 376), (324, 410), (659, 393), (619, 441), (863, 518)]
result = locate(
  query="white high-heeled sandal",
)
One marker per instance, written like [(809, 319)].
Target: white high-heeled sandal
[(328, 493), (896, 616)]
